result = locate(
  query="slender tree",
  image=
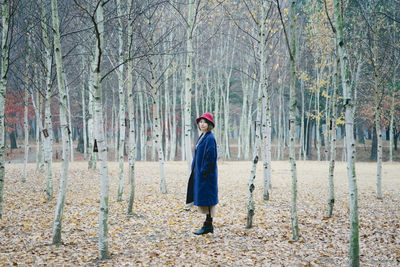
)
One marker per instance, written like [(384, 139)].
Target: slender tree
[(5, 49), (121, 48), (48, 126), (354, 257), (57, 226)]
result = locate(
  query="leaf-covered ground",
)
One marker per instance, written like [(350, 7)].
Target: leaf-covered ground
[(160, 232)]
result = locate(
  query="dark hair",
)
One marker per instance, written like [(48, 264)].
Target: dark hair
[(210, 126)]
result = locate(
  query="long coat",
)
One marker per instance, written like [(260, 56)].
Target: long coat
[(203, 182)]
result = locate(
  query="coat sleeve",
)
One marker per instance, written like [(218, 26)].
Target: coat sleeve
[(210, 158)]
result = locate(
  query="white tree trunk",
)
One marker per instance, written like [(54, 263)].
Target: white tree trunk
[(120, 72), (391, 137), (292, 120), (378, 112), (280, 129), (5, 19), (48, 140), (332, 128), (189, 82), (26, 107), (318, 117), (243, 127), (84, 120), (69, 118), (260, 98), (38, 121), (183, 146), (143, 135), (132, 119), (302, 148), (174, 124), (157, 137), (57, 226), (249, 122), (354, 258), (99, 133), (92, 156)]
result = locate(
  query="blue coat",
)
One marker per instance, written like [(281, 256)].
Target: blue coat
[(203, 182)]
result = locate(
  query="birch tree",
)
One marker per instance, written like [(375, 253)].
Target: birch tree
[(121, 48), (260, 97), (333, 126), (292, 115), (57, 225), (354, 258), (378, 111), (132, 119), (26, 105), (99, 132), (48, 126), (83, 100), (95, 85), (188, 80), (5, 49)]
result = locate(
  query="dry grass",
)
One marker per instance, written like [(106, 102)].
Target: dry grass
[(160, 233)]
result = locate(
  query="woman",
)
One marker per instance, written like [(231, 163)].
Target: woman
[(203, 182)]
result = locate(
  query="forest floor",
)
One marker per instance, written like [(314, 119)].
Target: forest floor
[(161, 230)]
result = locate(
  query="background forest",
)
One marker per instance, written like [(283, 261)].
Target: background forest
[(110, 82), (225, 73)]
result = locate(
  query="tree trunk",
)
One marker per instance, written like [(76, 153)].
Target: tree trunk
[(292, 120), (188, 81), (280, 115), (132, 119), (391, 126), (71, 143), (260, 97), (38, 121), (243, 127), (84, 118), (332, 128), (92, 156), (99, 134), (302, 130), (143, 127), (120, 72), (354, 258), (48, 155), (5, 19), (26, 107), (174, 124), (64, 127)]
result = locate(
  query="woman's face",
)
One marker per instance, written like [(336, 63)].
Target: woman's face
[(203, 125)]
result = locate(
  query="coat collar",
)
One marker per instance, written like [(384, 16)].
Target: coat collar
[(201, 138)]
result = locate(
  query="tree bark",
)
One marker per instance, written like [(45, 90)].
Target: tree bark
[(57, 226), (391, 126), (38, 121), (5, 19), (26, 107), (71, 143), (188, 81), (132, 119), (260, 97), (354, 257), (84, 118), (332, 128), (99, 134), (292, 120), (48, 155), (120, 72)]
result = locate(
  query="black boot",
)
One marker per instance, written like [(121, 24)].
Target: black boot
[(207, 227)]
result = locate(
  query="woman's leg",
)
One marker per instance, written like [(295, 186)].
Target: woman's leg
[(207, 225)]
